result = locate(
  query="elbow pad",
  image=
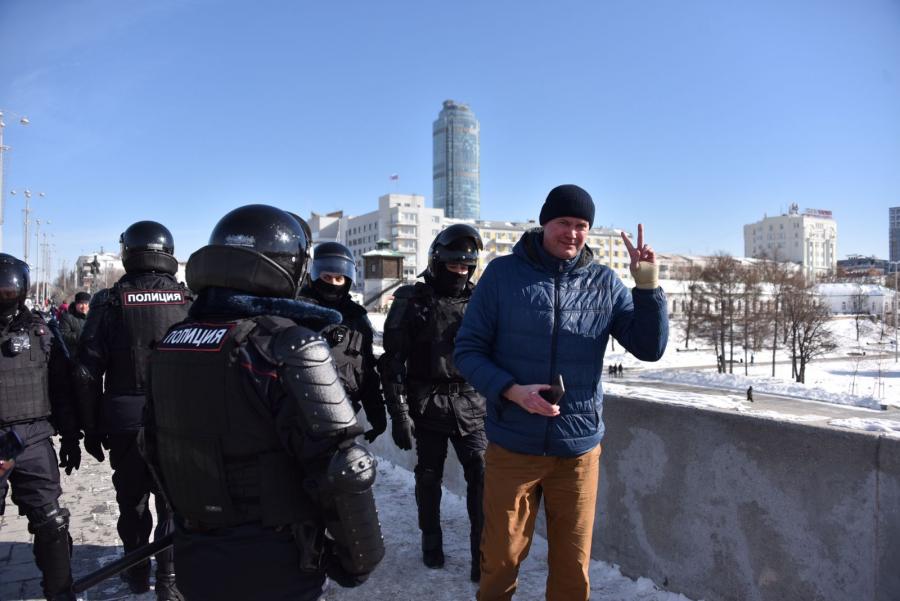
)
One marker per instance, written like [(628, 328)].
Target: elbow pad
[(310, 377), (357, 532)]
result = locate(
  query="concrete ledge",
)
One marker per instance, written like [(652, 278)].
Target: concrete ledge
[(723, 506)]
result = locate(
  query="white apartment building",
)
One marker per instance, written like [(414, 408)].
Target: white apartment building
[(401, 219), (808, 239)]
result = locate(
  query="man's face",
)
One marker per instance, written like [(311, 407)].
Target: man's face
[(82, 308), (335, 279), (564, 237)]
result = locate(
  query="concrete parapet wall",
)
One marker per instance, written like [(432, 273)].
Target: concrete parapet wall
[(728, 507)]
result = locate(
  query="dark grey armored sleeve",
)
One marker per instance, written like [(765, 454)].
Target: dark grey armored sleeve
[(357, 532), (310, 378)]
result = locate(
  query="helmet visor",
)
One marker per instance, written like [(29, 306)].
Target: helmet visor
[(333, 264)]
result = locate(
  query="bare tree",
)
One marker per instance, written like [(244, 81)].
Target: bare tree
[(716, 322), (859, 307), (808, 318), (779, 276), (692, 277), (750, 292)]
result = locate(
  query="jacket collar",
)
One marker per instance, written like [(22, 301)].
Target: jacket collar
[(229, 303), (530, 247)]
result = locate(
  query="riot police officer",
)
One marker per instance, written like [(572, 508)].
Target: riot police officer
[(123, 325), (251, 431), (332, 273), (426, 396), (27, 404)]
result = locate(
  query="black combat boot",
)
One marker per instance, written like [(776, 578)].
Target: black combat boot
[(165, 587), (433, 550), (137, 577)]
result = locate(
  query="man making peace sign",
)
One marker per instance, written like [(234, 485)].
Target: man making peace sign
[(543, 312)]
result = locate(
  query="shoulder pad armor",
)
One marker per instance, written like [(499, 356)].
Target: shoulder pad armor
[(407, 291), (101, 298), (298, 346), (310, 377)]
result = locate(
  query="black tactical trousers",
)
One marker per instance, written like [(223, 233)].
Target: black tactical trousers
[(36, 491), (134, 484), (241, 563), (431, 452)]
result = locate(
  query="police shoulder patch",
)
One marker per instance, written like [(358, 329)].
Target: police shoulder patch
[(143, 298), (202, 337)]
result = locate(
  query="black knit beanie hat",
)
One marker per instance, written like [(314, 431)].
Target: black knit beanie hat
[(568, 200), (82, 297)]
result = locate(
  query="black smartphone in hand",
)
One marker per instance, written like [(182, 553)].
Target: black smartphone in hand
[(556, 391)]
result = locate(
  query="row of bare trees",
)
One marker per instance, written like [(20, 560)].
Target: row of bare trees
[(727, 306)]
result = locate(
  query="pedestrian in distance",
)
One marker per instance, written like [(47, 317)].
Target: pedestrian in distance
[(331, 275), (750, 393), (123, 325), (72, 320), (251, 431), (427, 397), (32, 409), (543, 314)]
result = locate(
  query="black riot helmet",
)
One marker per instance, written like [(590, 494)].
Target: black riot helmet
[(333, 257), (148, 246), (258, 249), (458, 243), (15, 281)]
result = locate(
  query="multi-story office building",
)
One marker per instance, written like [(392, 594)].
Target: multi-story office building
[(894, 233), (455, 139), (808, 238)]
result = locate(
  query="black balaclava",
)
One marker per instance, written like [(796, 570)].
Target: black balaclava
[(449, 283), (330, 294)]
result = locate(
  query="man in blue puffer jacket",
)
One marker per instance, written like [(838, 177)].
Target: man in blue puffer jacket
[(548, 310)]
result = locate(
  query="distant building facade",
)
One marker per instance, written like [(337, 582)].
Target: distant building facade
[(808, 239), (894, 233), (409, 227), (456, 159)]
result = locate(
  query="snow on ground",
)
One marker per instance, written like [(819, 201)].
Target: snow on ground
[(882, 426), (402, 576)]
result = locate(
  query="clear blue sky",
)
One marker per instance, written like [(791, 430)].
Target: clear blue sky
[(693, 117)]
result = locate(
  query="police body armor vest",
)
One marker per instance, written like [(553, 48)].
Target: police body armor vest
[(216, 441), (346, 345), (437, 320), (23, 375), (148, 305)]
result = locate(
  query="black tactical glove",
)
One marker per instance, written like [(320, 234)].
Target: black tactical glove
[(93, 444), (377, 417), (70, 453), (402, 430), (335, 570)]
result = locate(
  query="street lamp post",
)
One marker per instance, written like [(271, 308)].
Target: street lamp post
[(3, 149), (26, 221)]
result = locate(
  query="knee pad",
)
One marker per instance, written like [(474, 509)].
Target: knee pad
[(428, 477), (50, 520)]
